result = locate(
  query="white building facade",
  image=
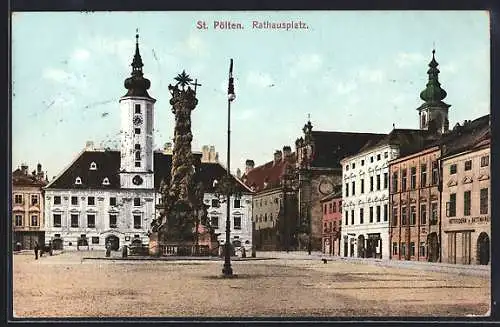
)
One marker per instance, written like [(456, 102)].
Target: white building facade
[(109, 197), (365, 201)]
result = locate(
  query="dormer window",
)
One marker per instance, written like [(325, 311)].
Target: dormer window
[(93, 166), (105, 181), (78, 181)]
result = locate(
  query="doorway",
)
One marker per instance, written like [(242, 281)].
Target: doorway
[(361, 246), (114, 242), (483, 248), (433, 247)]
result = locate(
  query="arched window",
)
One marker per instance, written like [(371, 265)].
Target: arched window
[(105, 181), (78, 181), (93, 166)]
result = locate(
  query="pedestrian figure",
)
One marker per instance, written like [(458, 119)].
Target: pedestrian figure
[(108, 249), (124, 251), (36, 250), (50, 247), (18, 246)]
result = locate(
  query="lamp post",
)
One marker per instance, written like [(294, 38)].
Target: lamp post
[(227, 270)]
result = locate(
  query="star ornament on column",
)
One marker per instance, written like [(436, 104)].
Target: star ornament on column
[(230, 89)]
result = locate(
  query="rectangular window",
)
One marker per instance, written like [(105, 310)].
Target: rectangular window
[(353, 188), (216, 204), (352, 217), (395, 182), (112, 201), (95, 239), (413, 215), (112, 221), (386, 212), (371, 214), (403, 249), (403, 216), (334, 207), (91, 200), (422, 249), (434, 213), (413, 178), (412, 249), (386, 155), (394, 248), (378, 156), (467, 203), (395, 216), (371, 183), (138, 164), (483, 201), (57, 220), (378, 182), (362, 162), (324, 209), (137, 108), (453, 169), (18, 220), (237, 203), (34, 220), (386, 181), (74, 200), (347, 218), (237, 222), (137, 202), (353, 165), (435, 177), (485, 160), (137, 131), (91, 221), (423, 175), (371, 159), (423, 214), (57, 199), (451, 206), (361, 218), (18, 199), (137, 221), (403, 180), (362, 186), (74, 221), (214, 221), (330, 207), (34, 199), (346, 189), (378, 214), (468, 165)]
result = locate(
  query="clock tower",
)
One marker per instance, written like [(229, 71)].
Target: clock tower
[(137, 108)]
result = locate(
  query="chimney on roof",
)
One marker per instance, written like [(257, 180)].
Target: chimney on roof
[(277, 156), (204, 153), (287, 152), (89, 146), (249, 164), (211, 154), (167, 148), (24, 169)]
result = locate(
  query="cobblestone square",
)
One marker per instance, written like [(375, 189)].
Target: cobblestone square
[(67, 285)]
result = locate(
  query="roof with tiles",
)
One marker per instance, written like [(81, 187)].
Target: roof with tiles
[(107, 165), (23, 178), (466, 136), (268, 175), (331, 147)]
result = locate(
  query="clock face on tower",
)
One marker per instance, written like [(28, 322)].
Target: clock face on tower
[(137, 180), (137, 120)]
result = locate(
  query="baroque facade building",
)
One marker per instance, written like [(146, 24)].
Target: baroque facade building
[(273, 204), (332, 221), (319, 170), (465, 208), (28, 207), (111, 197), (365, 193)]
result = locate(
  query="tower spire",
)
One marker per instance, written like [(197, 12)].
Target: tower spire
[(433, 91), (137, 62), (136, 84)]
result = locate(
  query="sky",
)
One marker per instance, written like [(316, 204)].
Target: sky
[(359, 71)]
